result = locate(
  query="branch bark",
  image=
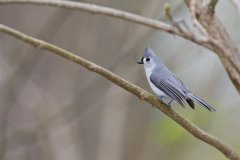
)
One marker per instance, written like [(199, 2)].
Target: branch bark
[(137, 91)]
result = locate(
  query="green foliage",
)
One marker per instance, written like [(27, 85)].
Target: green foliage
[(166, 131)]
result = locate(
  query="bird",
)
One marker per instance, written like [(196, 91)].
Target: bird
[(166, 85)]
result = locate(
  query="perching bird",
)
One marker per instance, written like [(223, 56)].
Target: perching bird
[(165, 84)]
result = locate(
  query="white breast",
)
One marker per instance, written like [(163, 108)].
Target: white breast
[(157, 91)]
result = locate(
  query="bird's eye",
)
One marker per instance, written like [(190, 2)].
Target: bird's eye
[(147, 59)]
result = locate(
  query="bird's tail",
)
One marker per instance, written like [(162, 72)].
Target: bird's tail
[(201, 102)]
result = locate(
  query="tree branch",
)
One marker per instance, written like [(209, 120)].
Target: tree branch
[(137, 91), (96, 9), (211, 6)]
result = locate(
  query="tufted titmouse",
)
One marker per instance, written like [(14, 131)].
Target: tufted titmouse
[(165, 84)]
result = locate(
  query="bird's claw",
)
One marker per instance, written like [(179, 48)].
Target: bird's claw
[(169, 103), (161, 98)]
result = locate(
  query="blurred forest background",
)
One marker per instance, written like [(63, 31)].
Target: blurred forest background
[(53, 109)]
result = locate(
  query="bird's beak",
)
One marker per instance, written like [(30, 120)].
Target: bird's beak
[(140, 62)]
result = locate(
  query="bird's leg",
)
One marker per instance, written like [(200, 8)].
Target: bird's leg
[(169, 103), (161, 98)]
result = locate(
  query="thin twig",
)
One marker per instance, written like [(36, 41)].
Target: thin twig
[(177, 23), (168, 13), (137, 91), (211, 6), (193, 5)]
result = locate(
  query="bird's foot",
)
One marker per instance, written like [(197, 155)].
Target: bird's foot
[(161, 98), (169, 103)]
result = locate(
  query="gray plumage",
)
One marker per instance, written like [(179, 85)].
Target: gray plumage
[(165, 84)]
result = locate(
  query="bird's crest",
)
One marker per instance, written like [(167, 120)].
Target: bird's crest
[(148, 52)]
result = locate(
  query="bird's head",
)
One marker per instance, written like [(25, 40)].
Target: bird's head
[(149, 59)]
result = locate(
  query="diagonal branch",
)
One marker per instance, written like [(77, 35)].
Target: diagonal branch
[(137, 91)]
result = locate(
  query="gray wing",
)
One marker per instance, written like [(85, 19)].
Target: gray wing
[(182, 85), (169, 88)]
